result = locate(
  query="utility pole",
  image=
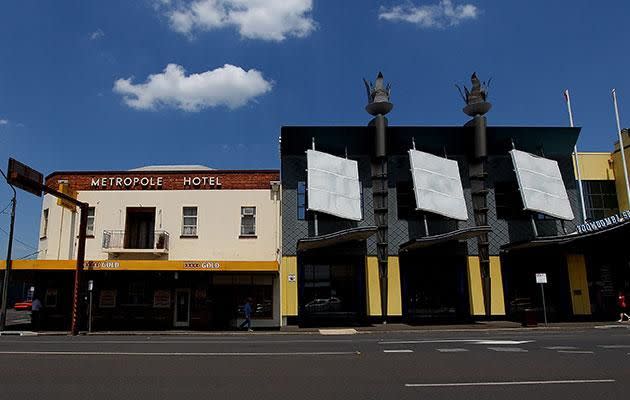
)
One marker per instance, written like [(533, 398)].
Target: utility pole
[(7, 271)]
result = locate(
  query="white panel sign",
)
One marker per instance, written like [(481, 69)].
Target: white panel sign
[(437, 185), (541, 185), (333, 185), (541, 278)]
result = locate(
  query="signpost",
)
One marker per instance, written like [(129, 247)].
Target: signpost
[(90, 291), (541, 278), (26, 178)]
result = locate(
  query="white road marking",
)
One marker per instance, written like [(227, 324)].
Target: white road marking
[(337, 331), (452, 350), (501, 342), (177, 354), (561, 348), (398, 351), (509, 349), (472, 341), (576, 351), (507, 383), (609, 326), (614, 346)]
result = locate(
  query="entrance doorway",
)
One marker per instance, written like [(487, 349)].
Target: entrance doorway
[(182, 308), (140, 228), (434, 284)]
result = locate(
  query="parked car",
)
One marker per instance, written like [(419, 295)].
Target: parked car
[(24, 305)]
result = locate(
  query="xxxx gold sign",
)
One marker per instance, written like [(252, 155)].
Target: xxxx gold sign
[(147, 265)]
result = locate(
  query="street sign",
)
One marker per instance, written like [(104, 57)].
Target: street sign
[(65, 189), (25, 177), (90, 285), (541, 278)]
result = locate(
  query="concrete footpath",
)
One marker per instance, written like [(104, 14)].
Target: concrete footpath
[(376, 328)]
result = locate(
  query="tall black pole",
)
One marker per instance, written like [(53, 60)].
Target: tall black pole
[(7, 271), (74, 328), (378, 106), (476, 107)]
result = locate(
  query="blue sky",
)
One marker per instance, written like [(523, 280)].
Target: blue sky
[(301, 63)]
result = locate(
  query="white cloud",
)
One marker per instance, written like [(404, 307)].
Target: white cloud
[(273, 20), (97, 34), (228, 85), (439, 15), (4, 121)]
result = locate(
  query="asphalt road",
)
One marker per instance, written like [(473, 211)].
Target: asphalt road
[(567, 364)]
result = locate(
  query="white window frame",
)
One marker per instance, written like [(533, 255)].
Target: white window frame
[(90, 232), (196, 226), (243, 215), (44, 227)]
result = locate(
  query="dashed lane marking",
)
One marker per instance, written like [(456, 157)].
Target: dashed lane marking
[(561, 348), (614, 346), (576, 351), (510, 383), (452, 350), (509, 349), (398, 351)]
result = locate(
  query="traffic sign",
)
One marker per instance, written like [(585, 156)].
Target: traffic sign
[(24, 177), (541, 278)]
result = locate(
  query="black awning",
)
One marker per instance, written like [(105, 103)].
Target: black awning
[(564, 239), (457, 235), (335, 238)]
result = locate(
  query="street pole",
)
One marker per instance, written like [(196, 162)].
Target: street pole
[(575, 154), (542, 290), (7, 271), (622, 149), (90, 289), (74, 327)]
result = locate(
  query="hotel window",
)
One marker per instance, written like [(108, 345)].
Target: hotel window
[(44, 228), (189, 222), (248, 221), (91, 213), (301, 200), (600, 198)]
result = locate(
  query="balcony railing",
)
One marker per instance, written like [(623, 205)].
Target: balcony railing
[(122, 242)]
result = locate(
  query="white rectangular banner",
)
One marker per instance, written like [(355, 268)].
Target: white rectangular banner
[(437, 185), (541, 185), (333, 185)]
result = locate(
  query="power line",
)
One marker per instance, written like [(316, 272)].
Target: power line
[(18, 240), (31, 254), (6, 208)]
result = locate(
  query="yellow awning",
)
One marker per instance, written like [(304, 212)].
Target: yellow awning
[(146, 265)]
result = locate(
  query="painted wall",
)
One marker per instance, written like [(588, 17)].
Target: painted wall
[(620, 183), (219, 221)]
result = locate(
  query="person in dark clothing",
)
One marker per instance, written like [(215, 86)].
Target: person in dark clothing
[(247, 310), (36, 314)]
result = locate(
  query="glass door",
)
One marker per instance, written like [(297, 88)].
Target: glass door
[(182, 307)]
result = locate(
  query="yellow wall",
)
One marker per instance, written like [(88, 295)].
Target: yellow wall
[(595, 166), (394, 295), (496, 280), (579, 285), (289, 290), (372, 290), (620, 182), (475, 290)]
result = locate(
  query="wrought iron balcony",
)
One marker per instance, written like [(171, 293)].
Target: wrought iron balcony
[(130, 242)]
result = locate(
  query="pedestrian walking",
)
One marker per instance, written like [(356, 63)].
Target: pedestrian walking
[(621, 304), (247, 310), (36, 314)]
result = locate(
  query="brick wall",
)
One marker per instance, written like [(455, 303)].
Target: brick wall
[(149, 180)]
